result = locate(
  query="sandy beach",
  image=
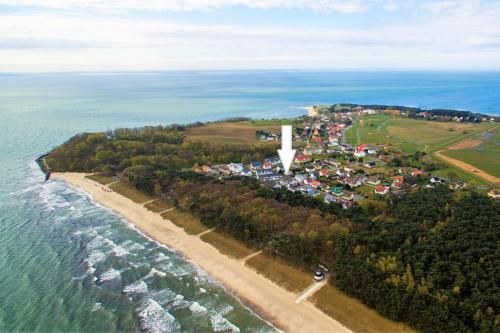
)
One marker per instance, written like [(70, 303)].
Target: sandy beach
[(268, 299)]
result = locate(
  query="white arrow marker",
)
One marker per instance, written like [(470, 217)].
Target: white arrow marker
[(286, 152)]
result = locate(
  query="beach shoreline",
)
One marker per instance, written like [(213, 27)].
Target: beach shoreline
[(270, 301)]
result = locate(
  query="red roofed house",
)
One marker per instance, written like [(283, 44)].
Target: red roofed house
[(314, 183), (301, 158), (360, 151), (206, 169), (397, 185), (417, 173), (267, 166), (398, 179), (324, 173), (381, 189), (316, 139)]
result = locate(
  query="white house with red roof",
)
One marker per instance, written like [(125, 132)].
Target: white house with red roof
[(381, 189), (360, 151)]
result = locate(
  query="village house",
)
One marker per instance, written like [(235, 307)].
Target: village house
[(246, 173), (300, 178), (381, 189), (417, 173), (353, 181), (267, 166), (360, 151), (206, 169), (348, 195), (398, 179), (324, 173), (255, 165), (301, 158), (235, 167), (397, 185), (337, 191), (373, 180), (329, 198)]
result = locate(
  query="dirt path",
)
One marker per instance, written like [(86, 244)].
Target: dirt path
[(467, 167)]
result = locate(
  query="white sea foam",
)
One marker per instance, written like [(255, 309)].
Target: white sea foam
[(196, 308), (95, 256), (132, 246), (163, 296), (227, 308), (179, 303), (154, 272), (138, 287), (161, 257), (96, 306), (221, 324), (156, 319), (110, 274)]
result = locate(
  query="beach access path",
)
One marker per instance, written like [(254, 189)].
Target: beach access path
[(269, 300)]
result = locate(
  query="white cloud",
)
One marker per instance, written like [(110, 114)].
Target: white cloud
[(52, 41), (344, 6)]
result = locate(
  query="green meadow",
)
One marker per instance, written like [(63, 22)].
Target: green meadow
[(485, 156), (409, 135)]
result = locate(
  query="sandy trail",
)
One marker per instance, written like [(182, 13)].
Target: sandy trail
[(467, 167), (266, 298)]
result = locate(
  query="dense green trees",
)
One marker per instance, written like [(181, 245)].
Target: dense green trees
[(435, 264)]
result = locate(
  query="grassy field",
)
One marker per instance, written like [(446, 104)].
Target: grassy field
[(352, 313), (232, 132), (158, 205), (100, 178), (227, 245), (185, 220), (281, 273), (409, 135), (482, 151), (129, 191)]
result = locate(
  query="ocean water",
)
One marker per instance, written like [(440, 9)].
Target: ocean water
[(68, 264)]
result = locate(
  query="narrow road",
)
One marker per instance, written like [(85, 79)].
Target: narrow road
[(311, 290), (244, 260), (205, 232)]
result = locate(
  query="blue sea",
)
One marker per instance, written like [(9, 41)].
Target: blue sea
[(68, 264)]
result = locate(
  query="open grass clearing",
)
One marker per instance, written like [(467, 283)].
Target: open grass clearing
[(352, 313), (190, 223), (129, 191), (230, 133), (283, 274), (159, 205), (100, 178), (227, 244)]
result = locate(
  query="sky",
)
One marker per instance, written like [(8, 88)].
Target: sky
[(149, 35)]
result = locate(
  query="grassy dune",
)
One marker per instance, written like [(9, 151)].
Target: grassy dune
[(352, 313), (185, 220), (129, 191), (227, 245), (100, 178), (281, 273), (158, 205)]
